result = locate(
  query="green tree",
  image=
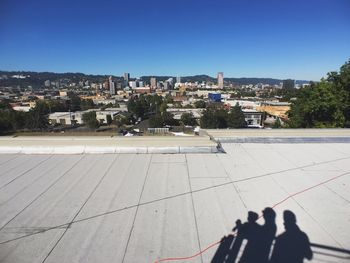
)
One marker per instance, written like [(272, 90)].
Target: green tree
[(323, 104), (319, 105), (236, 117), (188, 119), (37, 117), (163, 107), (109, 119), (277, 124), (5, 122), (87, 104), (168, 119), (74, 102), (156, 121), (131, 105), (214, 119), (200, 104), (89, 118), (341, 81), (18, 119)]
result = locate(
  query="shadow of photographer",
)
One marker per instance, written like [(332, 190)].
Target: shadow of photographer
[(292, 246)]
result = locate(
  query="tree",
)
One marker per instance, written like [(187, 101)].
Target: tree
[(200, 104), (74, 102), (277, 124), (319, 105), (188, 119), (163, 107), (214, 119), (109, 119), (160, 120), (87, 104), (89, 118), (37, 117), (341, 81), (168, 119), (5, 122), (156, 121), (236, 118), (131, 105), (323, 104)]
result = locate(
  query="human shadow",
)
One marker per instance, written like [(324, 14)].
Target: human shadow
[(292, 246), (259, 239)]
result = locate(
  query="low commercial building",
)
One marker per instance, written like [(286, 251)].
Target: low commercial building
[(63, 118), (197, 113), (101, 116), (253, 118), (70, 118)]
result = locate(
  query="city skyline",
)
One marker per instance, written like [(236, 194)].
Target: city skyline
[(241, 38)]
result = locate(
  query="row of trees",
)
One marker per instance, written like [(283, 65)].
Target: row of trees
[(35, 119), (323, 104), (213, 118)]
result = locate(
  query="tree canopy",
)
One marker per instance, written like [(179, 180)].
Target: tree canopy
[(143, 106), (89, 118), (187, 118), (236, 118), (323, 104)]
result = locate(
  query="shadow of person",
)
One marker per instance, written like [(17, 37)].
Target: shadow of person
[(252, 232), (267, 235), (293, 245), (230, 245), (260, 239)]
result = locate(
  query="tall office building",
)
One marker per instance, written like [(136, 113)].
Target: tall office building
[(133, 84), (165, 85), (111, 86), (126, 76), (126, 79), (153, 83), (220, 80), (178, 79)]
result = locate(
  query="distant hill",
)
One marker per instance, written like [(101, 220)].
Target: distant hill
[(237, 81), (37, 79)]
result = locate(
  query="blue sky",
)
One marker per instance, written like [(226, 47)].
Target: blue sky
[(243, 38)]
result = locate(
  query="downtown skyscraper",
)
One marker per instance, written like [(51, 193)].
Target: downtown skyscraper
[(220, 80)]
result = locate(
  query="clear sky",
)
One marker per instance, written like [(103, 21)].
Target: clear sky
[(301, 39)]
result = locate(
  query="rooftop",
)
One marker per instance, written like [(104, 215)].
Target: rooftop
[(146, 207)]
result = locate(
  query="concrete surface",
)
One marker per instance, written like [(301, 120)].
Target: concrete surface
[(93, 144), (144, 207)]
